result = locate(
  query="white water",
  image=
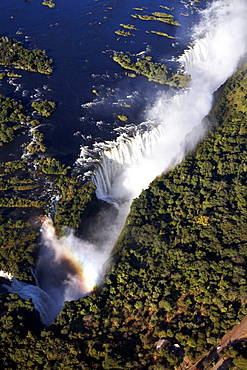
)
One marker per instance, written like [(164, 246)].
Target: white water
[(221, 39), (130, 166), (108, 178), (6, 275), (42, 301)]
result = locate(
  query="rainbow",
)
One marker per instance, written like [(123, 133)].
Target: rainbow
[(72, 258)]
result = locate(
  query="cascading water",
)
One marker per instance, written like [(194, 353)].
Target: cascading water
[(199, 51), (210, 62), (129, 167), (114, 162), (42, 301)]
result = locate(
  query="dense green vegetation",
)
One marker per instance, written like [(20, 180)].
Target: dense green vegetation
[(74, 202), (16, 254), (36, 145), (179, 267), (20, 184), (12, 52), (157, 72), (12, 119), (15, 120), (11, 110), (45, 107), (178, 270), (23, 189)]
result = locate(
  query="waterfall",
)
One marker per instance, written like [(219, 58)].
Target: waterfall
[(114, 162), (197, 52), (128, 167), (42, 301)]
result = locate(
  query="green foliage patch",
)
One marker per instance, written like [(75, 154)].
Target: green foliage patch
[(45, 107), (12, 52), (156, 72), (13, 115)]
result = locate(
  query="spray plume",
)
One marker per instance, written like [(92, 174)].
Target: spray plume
[(213, 58), (65, 264)]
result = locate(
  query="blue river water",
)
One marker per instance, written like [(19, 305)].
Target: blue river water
[(80, 38)]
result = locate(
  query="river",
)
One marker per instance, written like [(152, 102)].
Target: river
[(80, 38)]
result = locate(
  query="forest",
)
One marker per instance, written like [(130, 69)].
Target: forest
[(12, 52), (177, 271), (156, 72)]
